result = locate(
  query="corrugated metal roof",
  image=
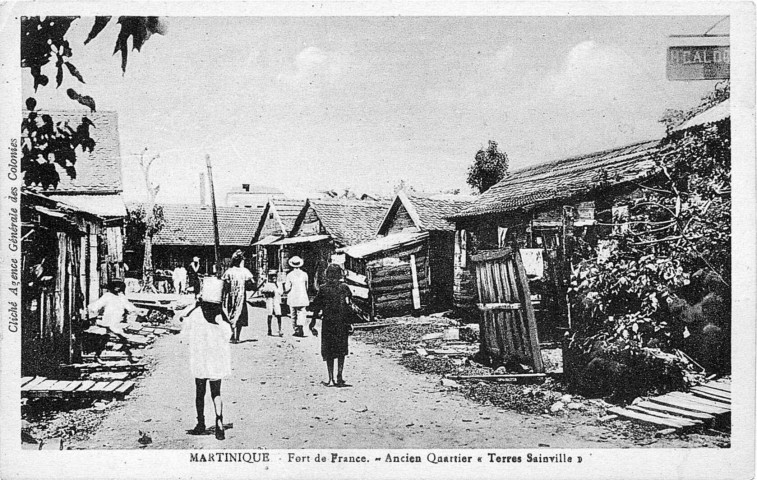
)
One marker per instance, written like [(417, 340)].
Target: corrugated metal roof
[(381, 244), (98, 171), (565, 178), (192, 224), (111, 205)]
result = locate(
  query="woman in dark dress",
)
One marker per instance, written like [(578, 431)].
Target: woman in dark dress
[(332, 304)]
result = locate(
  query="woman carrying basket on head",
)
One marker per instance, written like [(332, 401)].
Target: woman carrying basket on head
[(207, 330)]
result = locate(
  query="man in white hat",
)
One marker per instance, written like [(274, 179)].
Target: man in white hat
[(296, 288)]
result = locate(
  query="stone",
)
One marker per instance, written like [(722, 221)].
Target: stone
[(566, 398), (556, 407), (446, 382), (575, 406)]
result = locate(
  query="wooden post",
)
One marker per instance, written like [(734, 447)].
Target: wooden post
[(215, 216), (416, 289)]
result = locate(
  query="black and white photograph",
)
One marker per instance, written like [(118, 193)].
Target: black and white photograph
[(345, 240)]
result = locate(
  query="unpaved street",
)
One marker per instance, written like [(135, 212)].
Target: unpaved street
[(276, 400)]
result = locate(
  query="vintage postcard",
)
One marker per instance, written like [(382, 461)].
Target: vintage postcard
[(377, 239)]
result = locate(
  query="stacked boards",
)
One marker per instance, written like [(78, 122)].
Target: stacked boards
[(704, 404), (35, 387)]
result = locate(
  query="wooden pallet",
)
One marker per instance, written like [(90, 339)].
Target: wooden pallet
[(77, 370), (702, 405), (36, 387)]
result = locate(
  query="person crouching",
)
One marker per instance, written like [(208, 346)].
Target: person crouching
[(207, 330)]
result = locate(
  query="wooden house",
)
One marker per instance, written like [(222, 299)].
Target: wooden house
[(62, 251), (410, 265), (188, 232), (96, 189), (546, 210), (323, 226), (275, 223)]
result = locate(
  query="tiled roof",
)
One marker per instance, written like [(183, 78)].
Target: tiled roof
[(98, 171), (565, 178), (192, 224), (350, 222), (433, 212), (288, 210)]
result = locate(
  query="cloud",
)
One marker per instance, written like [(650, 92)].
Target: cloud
[(593, 73), (312, 67)]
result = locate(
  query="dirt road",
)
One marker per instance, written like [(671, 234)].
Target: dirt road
[(275, 400)]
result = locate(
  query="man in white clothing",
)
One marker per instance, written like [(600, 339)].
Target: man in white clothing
[(296, 288)]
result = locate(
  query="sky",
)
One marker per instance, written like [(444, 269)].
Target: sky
[(311, 103)]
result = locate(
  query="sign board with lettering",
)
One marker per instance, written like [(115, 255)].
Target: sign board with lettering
[(699, 58)]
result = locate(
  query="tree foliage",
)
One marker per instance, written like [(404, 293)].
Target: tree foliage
[(488, 168), (136, 226), (48, 142), (677, 246)]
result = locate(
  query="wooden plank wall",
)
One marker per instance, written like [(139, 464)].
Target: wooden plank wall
[(391, 281)]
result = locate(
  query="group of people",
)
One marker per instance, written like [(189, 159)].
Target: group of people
[(222, 310), (187, 278)]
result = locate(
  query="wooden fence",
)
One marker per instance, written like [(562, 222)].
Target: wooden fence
[(508, 325)]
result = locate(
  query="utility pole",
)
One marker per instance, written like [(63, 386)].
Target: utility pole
[(215, 216)]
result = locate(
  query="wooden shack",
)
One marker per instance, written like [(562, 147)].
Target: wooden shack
[(323, 226), (276, 222), (410, 265), (548, 212), (63, 251)]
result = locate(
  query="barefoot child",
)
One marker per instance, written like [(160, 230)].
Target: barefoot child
[(207, 330), (272, 292), (114, 308)]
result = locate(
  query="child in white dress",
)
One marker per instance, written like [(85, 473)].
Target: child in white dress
[(272, 292), (207, 330)]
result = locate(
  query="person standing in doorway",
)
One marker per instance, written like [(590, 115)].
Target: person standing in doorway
[(333, 304), (207, 330), (238, 280), (272, 292), (193, 275), (296, 288)]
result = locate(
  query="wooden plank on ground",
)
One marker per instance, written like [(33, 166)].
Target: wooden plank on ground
[(713, 391), (33, 384), (644, 418), (60, 385), (686, 405), (44, 385), (98, 387), (25, 380), (718, 394), (125, 387), (85, 386), (718, 386), (705, 417), (113, 385), (112, 376), (714, 398), (684, 422), (73, 386), (705, 401)]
